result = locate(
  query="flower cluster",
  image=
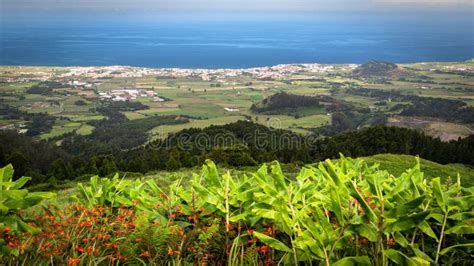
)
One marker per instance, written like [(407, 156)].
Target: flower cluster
[(78, 234)]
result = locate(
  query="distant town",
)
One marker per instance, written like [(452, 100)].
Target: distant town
[(106, 72)]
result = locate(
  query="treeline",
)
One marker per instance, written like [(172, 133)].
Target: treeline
[(293, 105), (46, 87), (447, 109), (121, 106), (116, 131), (375, 68), (281, 101), (351, 120), (36, 123), (237, 144)]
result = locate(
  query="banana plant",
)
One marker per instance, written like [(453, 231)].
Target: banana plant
[(12, 200), (113, 192), (341, 213)]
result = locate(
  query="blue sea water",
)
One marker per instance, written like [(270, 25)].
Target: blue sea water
[(234, 44)]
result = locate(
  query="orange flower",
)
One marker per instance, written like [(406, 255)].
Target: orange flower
[(103, 236), (170, 251), (79, 249), (268, 232), (73, 261), (145, 254), (112, 259), (269, 261), (391, 242), (90, 250), (84, 224), (263, 250), (121, 257), (23, 247)]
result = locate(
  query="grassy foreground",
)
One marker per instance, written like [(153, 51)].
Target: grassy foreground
[(337, 213)]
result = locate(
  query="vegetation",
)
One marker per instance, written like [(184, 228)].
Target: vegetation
[(339, 213), (376, 68), (450, 110), (281, 101), (336, 88), (13, 201), (45, 88), (396, 164), (35, 123), (237, 144), (121, 106), (447, 109)]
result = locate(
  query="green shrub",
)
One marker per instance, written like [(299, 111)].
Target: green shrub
[(13, 200)]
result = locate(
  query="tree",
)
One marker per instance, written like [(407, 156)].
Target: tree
[(20, 164), (174, 162), (61, 170), (137, 165), (92, 167), (80, 103), (108, 166)]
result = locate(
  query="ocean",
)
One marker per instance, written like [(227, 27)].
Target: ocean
[(233, 44)]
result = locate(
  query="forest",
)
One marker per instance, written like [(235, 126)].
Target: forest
[(237, 144)]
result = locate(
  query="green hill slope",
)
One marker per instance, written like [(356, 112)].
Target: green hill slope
[(397, 164), (378, 69)]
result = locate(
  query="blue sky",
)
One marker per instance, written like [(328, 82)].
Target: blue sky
[(228, 9), (234, 5)]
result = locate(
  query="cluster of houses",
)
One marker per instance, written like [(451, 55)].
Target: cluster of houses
[(122, 95), (20, 128), (105, 72), (273, 72)]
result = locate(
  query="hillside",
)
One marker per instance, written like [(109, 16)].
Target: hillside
[(396, 164), (284, 100), (266, 213), (378, 69), (291, 104)]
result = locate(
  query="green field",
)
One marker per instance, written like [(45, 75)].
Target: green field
[(205, 103)]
